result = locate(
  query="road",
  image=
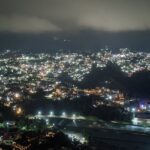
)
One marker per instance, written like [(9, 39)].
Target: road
[(129, 137)]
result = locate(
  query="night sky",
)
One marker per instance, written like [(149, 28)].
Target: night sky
[(74, 24)]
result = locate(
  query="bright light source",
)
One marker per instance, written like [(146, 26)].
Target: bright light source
[(47, 121), (17, 95), (74, 116), (8, 98), (39, 112), (51, 113), (82, 140), (63, 114), (135, 120), (133, 109), (19, 111), (143, 106), (110, 97)]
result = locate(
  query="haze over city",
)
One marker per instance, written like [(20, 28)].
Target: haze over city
[(80, 24)]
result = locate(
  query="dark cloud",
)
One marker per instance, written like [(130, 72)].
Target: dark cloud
[(38, 16), (26, 24)]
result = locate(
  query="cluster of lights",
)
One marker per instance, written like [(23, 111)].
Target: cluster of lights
[(63, 115), (77, 137), (33, 69)]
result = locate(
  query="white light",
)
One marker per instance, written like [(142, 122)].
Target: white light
[(14, 107), (133, 109), (51, 113), (135, 120), (8, 98), (73, 116), (143, 107), (63, 114), (39, 113), (82, 140), (47, 121), (110, 97)]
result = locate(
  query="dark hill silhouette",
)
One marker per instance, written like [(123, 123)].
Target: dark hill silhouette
[(138, 85), (111, 73), (6, 113)]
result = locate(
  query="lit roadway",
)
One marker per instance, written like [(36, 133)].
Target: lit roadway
[(92, 123), (63, 116), (125, 136)]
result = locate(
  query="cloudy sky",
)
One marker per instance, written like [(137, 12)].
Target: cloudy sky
[(29, 19)]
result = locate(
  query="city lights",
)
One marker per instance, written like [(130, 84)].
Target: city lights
[(75, 74)]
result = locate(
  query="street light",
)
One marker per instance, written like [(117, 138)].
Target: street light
[(39, 112), (47, 121), (74, 116), (135, 120), (63, 114), (51, 113), (133, 110)]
